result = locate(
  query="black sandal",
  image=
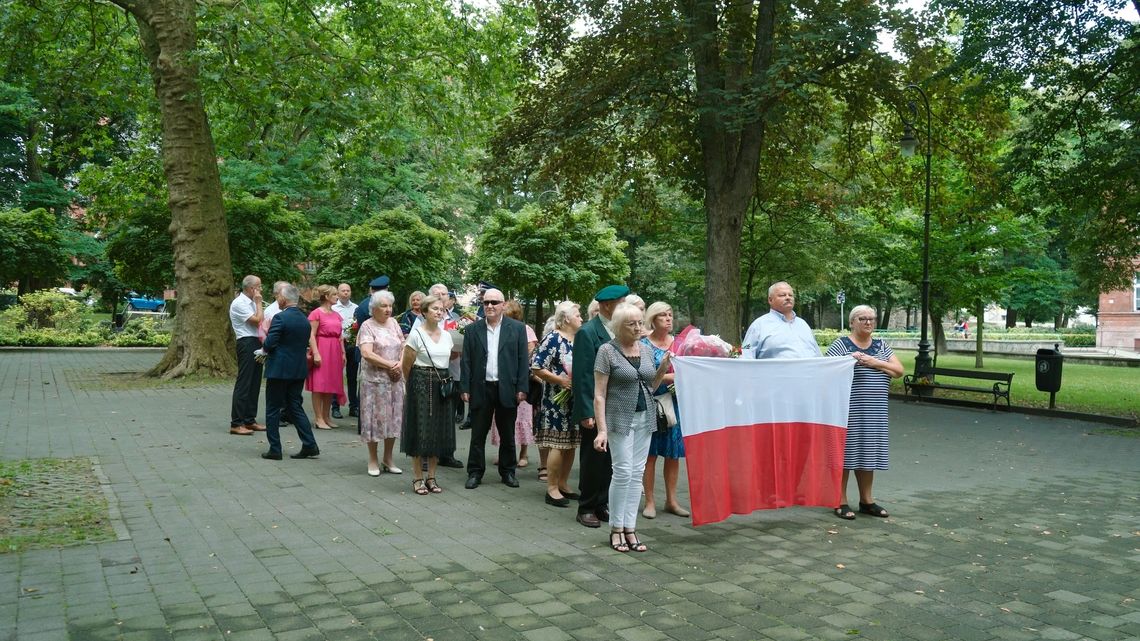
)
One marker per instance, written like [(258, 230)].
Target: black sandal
[(619, 545), (635, 543), (419, 487), (432, 486), (874, 509), (844, 512)]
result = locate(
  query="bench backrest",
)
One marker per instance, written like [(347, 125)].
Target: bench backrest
[(973, 373)]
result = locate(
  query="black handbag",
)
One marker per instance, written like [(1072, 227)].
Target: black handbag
[(535, 392), (662, 417)]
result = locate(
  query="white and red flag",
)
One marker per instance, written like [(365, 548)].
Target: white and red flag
[(762, 434)]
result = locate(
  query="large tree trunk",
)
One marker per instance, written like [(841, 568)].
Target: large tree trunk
[(202, 339), (730, 144), (1010, 318)]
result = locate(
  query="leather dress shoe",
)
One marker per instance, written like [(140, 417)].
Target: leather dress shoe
[(588, 519), (466, 425), (562, 502), (306, 452), (272, 456), (336, 413), (509, 480), (257, 427), (240, 430), (472, 482), (451, 462)]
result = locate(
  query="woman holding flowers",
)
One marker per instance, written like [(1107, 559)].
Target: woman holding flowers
[(668, 444), (556, 434), (381, 344)]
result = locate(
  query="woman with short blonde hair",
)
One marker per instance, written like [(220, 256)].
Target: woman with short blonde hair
[(667, 444)]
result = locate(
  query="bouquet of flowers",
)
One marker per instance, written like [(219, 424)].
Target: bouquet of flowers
[(690, 342), (563, 396)]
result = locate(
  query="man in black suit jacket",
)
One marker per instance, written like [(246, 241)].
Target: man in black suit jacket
[(494, 378), (285, 372), (595, 468)]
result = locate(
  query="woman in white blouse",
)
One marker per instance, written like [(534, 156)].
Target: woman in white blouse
[(428, 426)]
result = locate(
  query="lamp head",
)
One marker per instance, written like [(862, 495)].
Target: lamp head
[(908, 143)]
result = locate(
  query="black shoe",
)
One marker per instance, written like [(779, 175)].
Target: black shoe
[(451, 462), (573, 496), (604, 515), (509, 480), (472, 482), (272, 456), (306, 452), (336, 413), (562, 502), (354, 413), (466, 425)]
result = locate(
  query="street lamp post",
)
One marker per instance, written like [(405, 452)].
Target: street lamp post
[(908, 143)]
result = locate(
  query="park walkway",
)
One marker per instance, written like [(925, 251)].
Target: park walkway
[(1006, 527)]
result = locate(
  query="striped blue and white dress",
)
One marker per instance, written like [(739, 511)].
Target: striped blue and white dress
[(867, 442)]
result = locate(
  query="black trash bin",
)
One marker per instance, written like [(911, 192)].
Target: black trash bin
[(1049, 362)]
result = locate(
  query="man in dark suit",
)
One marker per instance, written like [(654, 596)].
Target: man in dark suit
[(285, 372), (494, 379), (594, 468)]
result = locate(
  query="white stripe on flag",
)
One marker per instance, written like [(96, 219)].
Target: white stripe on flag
[(714, 393)]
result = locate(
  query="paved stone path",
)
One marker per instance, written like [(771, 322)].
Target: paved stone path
[(1005, 527)]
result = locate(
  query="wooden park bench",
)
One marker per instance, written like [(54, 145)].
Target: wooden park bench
[(1000, 389)]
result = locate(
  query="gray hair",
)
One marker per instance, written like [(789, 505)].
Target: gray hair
[(382, 296), (773, 286), (278, 285), (622, 313), (636, 301), (562, 313), (250, 281), (290, 293), (859, 309), (436, 288)]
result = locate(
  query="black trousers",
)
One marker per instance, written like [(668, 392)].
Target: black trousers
[(351, 369), (481, 426), (247, 387), (284, 395), (595, 469)]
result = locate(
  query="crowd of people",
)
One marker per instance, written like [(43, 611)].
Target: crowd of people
[(585, 389)]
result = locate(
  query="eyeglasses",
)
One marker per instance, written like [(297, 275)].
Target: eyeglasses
[(634, 323), (863, 319), (492, 303)]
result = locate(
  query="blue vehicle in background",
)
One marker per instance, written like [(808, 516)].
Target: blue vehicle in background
[(144, 303)]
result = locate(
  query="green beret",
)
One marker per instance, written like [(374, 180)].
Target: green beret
[(611, 292)]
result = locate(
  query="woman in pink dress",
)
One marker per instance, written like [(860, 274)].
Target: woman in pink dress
[(524, 423), (381, 343), (326, 376)]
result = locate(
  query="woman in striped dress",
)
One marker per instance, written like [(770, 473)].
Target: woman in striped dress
[(866, 448)]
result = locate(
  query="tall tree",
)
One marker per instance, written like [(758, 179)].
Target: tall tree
[(688, 88), (202, 340)]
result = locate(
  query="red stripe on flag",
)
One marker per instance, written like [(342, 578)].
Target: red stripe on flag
[(739, 469)]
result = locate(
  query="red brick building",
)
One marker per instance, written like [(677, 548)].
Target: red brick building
[(1118, 321)]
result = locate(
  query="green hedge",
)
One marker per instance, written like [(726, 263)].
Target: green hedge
[(51, 319)]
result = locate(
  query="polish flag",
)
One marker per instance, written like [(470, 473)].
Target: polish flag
[(762, 434)]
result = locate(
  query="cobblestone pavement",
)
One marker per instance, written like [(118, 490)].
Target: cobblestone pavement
[(1005, 527)]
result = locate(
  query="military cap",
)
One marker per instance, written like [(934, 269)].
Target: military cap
[(380, 282), (611, 292)]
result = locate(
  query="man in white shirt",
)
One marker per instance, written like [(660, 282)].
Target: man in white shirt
[(347, 310), (245, 317), (779, 333)]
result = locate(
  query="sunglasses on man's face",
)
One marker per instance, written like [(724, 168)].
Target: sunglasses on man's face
[(492, 303)]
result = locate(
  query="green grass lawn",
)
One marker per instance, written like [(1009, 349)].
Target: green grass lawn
[(1097, 389)]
